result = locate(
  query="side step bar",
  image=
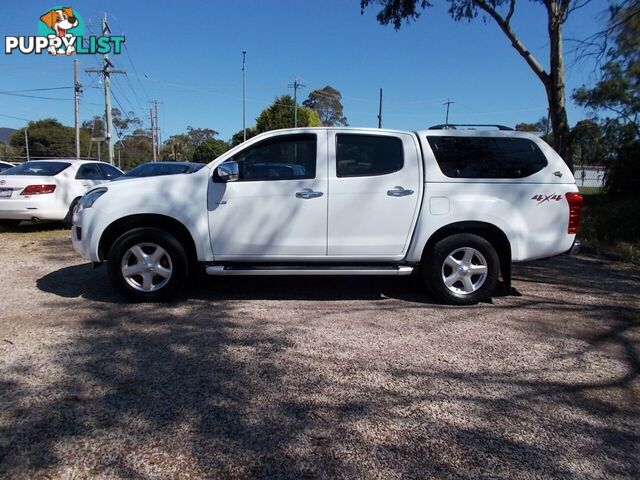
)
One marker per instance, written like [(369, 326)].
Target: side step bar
[(310, 270)]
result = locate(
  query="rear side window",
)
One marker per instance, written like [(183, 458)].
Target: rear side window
[(43, 169), (487, 157), (367, 155)]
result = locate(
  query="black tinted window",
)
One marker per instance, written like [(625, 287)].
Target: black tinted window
[(89, 171), (288, 157), (110, 172), (487, 157), (45, 169), (366, 155), (157, 169)]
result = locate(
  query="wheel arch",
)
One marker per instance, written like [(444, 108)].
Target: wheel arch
[(494, 235), (162, 222)]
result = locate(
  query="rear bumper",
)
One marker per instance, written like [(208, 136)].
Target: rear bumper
[(575, 248), (31, 213)]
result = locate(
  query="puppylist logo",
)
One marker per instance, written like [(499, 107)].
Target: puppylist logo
[(61, 32)]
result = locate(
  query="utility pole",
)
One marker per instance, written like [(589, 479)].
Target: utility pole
[(106, 71), (380, 110), (77, 90), (26, 141), (244, 96), (155, 111), (296, 85), (153, 135), (447, 103)]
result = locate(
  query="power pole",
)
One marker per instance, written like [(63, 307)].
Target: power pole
[(155, 111), (296, 85), (106, 71), (380, 110), (244, 96), (26, 141), (153, 135), (447, 103), (77, 90)]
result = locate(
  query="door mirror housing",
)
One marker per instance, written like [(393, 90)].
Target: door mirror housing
[(226, 172)]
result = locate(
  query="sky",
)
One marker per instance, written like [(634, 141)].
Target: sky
[(187, 55)]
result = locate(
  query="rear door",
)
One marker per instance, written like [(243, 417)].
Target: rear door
[(89, 175), (374, 191)]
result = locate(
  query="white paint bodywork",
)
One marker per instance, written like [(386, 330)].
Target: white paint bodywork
[(53, 206), (354, 220)]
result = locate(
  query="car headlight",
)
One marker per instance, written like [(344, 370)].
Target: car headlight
[(90, 198)]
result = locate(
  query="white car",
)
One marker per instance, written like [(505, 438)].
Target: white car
[(5, 166), (461, 204), (48, 189)]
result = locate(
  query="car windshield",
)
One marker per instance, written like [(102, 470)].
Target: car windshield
[(156, 169), (42, 169)]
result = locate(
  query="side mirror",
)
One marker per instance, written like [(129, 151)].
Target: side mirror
[(226, 172)]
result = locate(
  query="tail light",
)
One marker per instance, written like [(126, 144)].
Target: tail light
[(38, 189), (575, 210)]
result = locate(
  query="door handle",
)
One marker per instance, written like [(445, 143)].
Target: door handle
[(399, 191), (308, 193)]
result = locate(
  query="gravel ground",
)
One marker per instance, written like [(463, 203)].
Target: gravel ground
[(315, 377)]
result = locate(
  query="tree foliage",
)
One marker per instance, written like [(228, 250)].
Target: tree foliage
[(280, 114), (615, 101), (326, 102), (48, 138), (200, 135), (209, 150)]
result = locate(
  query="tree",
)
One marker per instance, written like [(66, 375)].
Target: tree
[(617, 96), (200, 135), (48, 138), (618, 90), (501, 12), (326, 102), (135, 149), (280, 114), (178, 148), (238, 137), (209, 150)]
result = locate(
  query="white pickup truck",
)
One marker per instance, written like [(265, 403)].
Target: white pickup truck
[(459, 205)]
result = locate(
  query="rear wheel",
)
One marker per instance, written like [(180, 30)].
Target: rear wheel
[(9, 223), (462, 269), (148, 265)]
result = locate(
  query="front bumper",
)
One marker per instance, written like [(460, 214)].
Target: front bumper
[(81, 235)]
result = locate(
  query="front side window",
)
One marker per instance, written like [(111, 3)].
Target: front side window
[(367, 155), (289, 157), (89, 171), (487, 157)]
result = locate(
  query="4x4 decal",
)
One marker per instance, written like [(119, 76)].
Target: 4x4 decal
[(546, 198)]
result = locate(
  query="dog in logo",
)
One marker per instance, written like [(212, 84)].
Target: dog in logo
[(60, 21)]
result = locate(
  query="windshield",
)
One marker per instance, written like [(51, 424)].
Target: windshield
[(156, 169), (5, 166), (42, 169)]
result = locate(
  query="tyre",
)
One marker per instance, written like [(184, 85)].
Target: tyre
[(9, 223), (68, 220), (148, 265), (462, 269)]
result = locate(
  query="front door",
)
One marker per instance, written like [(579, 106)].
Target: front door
[(375, 184), (277, 210)]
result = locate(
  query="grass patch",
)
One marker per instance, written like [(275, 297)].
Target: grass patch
[(612, 225)]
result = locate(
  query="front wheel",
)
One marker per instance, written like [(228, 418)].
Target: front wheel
[(148, 265), (462, 269)]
